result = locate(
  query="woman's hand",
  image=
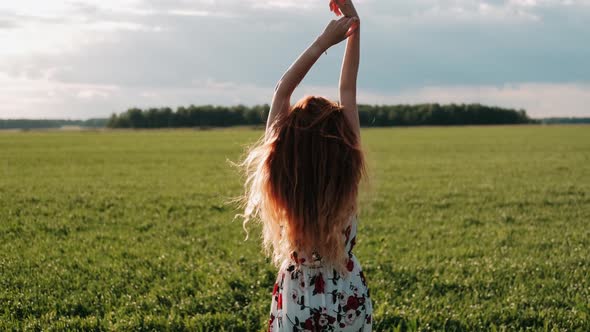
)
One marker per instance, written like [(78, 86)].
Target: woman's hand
[(347, 8), (337, 31)]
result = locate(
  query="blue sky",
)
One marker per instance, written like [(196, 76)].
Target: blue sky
[(90, 58)]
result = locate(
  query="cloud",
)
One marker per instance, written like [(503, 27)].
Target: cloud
[(197, 13), (8, 24), (43, 98), (155, 51)]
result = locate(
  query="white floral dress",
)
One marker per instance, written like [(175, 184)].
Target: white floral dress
[(309, 296)]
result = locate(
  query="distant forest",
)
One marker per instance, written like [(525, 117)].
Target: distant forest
[(370, 116), (565, 120), (50, 124)]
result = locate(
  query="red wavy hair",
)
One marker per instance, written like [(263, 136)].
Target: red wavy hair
[(302, 181)]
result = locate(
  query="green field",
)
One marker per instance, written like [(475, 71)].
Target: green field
[(473, 228)]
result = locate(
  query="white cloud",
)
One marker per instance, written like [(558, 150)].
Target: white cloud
[(287, 4), (202, 13), (23, 97), (93, 93), (93, 57), (44, 98), (474, 11)]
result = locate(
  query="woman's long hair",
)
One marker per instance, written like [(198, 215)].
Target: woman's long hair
[(302, 181)]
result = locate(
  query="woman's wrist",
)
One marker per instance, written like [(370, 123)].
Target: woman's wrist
[(321, 44)]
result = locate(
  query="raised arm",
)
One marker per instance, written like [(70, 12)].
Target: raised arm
[(335, 32), (281, 100), (350, 67)]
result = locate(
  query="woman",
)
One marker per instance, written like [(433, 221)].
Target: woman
[(302, 183)]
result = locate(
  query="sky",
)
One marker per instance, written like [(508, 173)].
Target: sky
[(91, 58)]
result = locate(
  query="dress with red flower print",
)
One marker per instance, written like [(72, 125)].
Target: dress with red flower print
[(311, 296)]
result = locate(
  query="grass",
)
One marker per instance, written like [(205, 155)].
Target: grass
[(472, 228)]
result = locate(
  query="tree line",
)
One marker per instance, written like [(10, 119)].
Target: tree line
[(51, 124), (221, 116), (370, 116), (565, 121)]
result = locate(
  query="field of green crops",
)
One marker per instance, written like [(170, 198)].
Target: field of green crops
[(472, 228)]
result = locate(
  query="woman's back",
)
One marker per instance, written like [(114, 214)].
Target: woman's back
[(302, 183), (310, 295)]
